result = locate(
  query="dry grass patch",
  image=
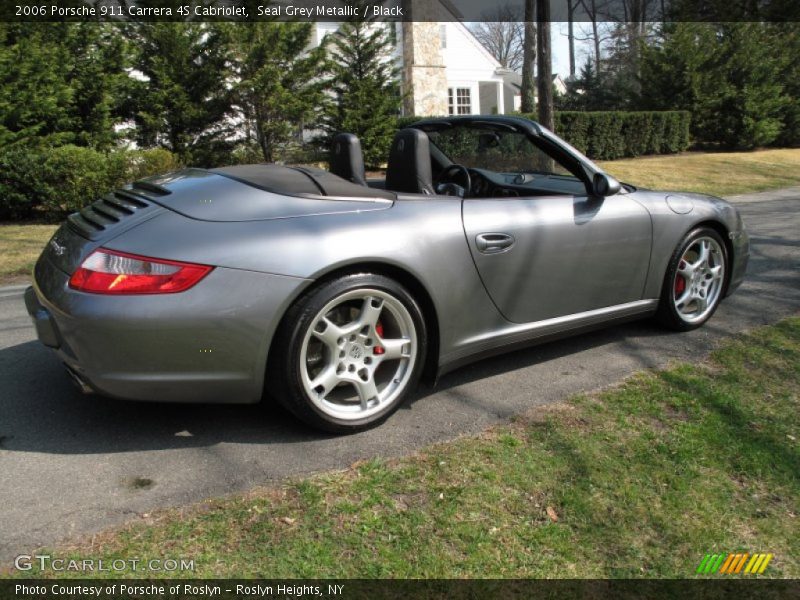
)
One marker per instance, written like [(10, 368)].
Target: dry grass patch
[(20, 246), (718, 173)]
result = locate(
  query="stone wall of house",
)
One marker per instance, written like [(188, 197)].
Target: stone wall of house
[(424, 81)]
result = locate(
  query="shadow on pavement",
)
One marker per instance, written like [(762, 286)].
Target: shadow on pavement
[(43, 412)]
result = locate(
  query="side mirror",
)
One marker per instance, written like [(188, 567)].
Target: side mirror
[(604, 185)]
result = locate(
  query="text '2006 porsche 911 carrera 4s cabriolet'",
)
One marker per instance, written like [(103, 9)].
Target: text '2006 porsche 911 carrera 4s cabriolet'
[(334, 294)]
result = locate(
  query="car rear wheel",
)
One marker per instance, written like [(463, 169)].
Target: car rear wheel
[(355, 348), (695, 280)]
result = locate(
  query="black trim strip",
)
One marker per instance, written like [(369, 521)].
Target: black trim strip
[(151, 187), (311, 177)]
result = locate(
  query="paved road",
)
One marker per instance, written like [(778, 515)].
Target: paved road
[(67, 461)]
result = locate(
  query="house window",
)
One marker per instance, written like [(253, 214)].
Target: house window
[(443, 36), (459, 101)]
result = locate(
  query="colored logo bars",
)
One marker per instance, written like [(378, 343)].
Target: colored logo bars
[(731, 564)]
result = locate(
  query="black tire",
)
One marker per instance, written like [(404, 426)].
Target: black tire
[(667, 314), (284, 378)]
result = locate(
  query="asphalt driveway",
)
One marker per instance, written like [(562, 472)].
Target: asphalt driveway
[(72, 464)]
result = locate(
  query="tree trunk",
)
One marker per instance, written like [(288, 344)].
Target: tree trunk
[(263, 141), (571, 36), (596, 36), (528, 58), (266, 151), (544, 63)]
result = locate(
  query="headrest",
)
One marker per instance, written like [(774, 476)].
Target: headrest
[(409, 168), (346, 160)]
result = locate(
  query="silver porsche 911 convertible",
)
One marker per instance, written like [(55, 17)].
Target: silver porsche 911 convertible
[(334, 293)]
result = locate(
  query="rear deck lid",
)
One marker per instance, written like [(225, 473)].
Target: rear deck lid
[(263, 192)]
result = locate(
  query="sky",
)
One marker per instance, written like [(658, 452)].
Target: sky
[(560, 47)]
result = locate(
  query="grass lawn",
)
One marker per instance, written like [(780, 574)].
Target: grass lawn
[(637, 481), (718, 173), (20, 246)]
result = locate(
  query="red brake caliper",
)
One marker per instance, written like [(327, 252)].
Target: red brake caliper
[(379, 331), (680, 283)]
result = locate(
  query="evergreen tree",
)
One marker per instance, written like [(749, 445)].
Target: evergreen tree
[(99, 56), (364, 82), (60, 83), (185, 100), (35, 97), (277, 85), (729, 75), (590, 92), (789, 36), (581, 90)]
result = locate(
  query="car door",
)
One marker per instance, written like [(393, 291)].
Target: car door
[(549, 256)]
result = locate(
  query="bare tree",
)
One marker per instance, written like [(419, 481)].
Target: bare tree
[(628, 31), (638, 16), (593, 10), (528, 58), (501, 33)]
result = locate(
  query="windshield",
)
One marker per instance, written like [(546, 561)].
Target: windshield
[(504, 151)]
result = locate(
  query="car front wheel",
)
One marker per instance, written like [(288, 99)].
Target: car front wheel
[(355, 348), (695, 280)]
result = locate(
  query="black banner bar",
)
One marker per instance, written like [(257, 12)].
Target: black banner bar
[(349, 589), (394, 10)]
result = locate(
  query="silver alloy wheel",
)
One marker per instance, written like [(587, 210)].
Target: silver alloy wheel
[(358, 354), (698, 281)]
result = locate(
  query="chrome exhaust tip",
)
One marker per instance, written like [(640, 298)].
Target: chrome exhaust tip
[(82, 385)]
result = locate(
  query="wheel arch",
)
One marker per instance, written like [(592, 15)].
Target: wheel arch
[(723, 232), (410, 281)]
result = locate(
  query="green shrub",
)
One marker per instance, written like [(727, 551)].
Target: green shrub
[(49, 183), (246, 153), (790, 134), (143, 163), (73, 176), (20, 173), (607, 135)]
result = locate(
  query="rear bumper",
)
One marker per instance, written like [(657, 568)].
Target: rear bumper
[(46, 328), (208, 344)]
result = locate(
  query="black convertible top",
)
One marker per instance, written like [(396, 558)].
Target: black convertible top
[(292, 181)]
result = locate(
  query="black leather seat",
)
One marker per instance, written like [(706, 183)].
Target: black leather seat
[(409, 168), (346, 160)]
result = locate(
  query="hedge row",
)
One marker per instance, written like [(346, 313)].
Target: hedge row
[(49, 183), (617, 134)]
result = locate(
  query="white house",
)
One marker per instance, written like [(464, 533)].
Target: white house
[(514, 80), (475, 81), (444, 68)]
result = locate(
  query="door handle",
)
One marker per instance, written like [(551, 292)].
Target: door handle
[(493, 243)]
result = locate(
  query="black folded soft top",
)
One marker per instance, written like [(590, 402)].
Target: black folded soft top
[(292, 181)]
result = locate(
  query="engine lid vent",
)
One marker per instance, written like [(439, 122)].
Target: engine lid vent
[(95, 220)]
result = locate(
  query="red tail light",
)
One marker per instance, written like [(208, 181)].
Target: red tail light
[(111, 272)]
